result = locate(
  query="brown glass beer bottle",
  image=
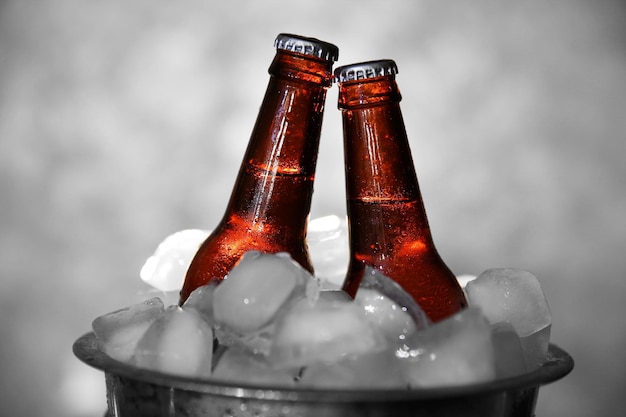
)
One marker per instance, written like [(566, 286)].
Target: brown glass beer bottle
[(388, 228), (271, 199)]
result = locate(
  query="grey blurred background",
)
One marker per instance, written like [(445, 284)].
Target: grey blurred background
[(124, 121)]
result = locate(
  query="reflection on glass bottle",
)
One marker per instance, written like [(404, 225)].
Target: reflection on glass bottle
[(388, 226), (271, 199)]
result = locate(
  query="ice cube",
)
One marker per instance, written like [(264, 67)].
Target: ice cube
[(367, 371), (464, 279), (179, 342), (118, 332), (244, 367), (323, 331), (515, 296), (166, 269), (391, 297), (392, 320), (333, 296), (508, 352), (201, 300), (255, 290), (327, 238), (535, 347), (454, 351)]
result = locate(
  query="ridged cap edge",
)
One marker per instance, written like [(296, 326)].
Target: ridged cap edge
[(307, 46), (365, 70)]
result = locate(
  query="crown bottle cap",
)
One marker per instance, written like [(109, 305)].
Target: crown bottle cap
[(307, 46), (365, 70)]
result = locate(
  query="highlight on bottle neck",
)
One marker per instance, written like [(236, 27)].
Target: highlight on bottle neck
[(367, 83)]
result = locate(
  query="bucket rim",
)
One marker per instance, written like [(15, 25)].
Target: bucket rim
[(557, 365)]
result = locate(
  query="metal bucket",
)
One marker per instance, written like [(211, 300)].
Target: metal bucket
[(138, 392)]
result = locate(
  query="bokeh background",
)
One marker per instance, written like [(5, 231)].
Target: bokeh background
[(124, 121)]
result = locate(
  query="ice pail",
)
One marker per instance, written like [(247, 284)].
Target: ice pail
[(138, 392)]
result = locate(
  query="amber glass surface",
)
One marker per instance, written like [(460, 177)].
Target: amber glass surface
[(388, 226), (271, 199)]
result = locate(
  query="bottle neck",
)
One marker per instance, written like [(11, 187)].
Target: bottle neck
[(302, 68), (378, 162), (384, 202), (278, 168), (285, 138), (388, 226)]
